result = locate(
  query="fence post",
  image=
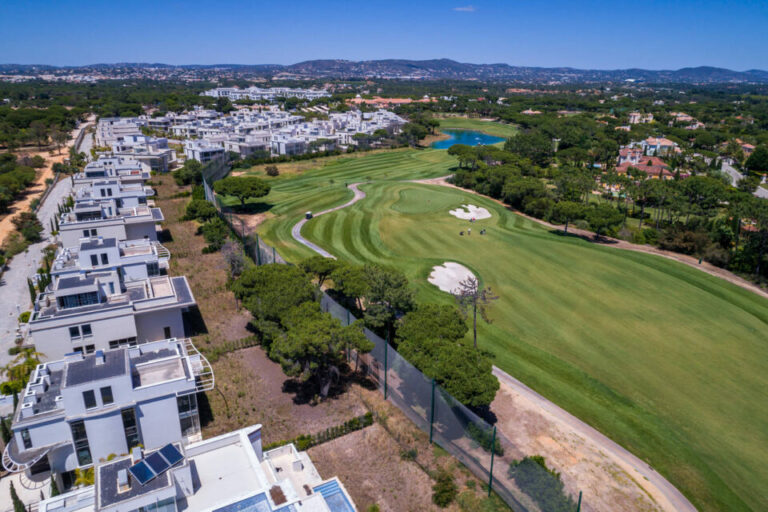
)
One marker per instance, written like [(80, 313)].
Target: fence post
[(274, 258), (386, 352), (493, 452), (348, 322), (258, 251), (432, 413), (578, 507)]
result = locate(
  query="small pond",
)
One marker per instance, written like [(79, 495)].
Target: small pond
[(468, 137)]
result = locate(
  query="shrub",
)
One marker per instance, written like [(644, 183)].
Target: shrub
[(272, 170), (200, 209), (542, 484), (484, 437), (444, 491), (24, 317), (215, 233)]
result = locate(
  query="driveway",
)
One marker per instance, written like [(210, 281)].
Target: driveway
[(736, 176)]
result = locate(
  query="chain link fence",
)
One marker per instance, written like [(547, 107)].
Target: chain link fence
[(520, 479)]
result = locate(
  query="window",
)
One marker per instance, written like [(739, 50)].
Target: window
[(130, 427), (167, 332), (74, 332), (131, 342), (188, 418), (77, 300), (104, 259), (94, 260), (93, 232), (111, 288), (27, 440), (86, 330), (89, 398), (106, 395), (103, 193), (90, 349), (109, 192), (153, 268), (80, 439), (78, 349), (86, 233)]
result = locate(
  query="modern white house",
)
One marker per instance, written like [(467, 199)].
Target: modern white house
[(227, 473), (152, 151), (99, 310), (113, 189), (135, 259), (128, 170), (202, 151), (104, 218), (114, 129), (84, 409)]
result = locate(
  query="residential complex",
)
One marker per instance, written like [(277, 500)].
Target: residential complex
[(230, 472), (268, 94)]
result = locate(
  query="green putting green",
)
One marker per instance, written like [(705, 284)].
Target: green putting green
[(667, 360)]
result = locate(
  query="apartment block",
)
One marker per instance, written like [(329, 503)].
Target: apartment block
[(128, 170), (227, 473), (83, 409)]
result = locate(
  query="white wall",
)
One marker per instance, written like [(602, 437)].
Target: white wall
[(149, 326)]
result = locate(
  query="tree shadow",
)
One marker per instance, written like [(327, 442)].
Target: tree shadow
[(592, 238), (164, 236), (251, 208), (308, 392), (194, 323)]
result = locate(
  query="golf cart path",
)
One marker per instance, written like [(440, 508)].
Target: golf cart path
[(664, 494), (617, 243), (296, 230)]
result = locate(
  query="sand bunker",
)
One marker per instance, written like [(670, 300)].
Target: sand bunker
[(470, 211), (448, 275)]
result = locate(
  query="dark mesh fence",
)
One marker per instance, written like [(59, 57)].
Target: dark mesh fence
[(523, 483)]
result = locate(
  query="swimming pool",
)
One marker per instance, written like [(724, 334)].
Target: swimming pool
[(257, 503), (334, 496)]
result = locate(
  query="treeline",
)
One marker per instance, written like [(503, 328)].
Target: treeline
[(23, 126), (15, 176), (310, 344), (699, 216)]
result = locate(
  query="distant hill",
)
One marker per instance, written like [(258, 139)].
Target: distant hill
[(433, 69)]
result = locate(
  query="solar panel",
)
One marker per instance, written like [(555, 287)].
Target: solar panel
[(171, 454), (141, 472), (157, 463)]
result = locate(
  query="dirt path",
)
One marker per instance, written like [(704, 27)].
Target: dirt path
[(611, 478), (619, 244), (38, 188), (296, 231)]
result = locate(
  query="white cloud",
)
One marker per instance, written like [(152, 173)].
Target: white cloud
[(467, 8)]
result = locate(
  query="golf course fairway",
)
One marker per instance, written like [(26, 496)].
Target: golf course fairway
[(669, 361)]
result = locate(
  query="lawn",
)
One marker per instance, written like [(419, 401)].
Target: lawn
[(489, 127), (666, 360)]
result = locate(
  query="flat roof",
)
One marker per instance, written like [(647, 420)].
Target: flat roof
[(87, 370)]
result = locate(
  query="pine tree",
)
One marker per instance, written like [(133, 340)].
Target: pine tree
[(32, 291), (5, 432), (54, 486), (18, 505)]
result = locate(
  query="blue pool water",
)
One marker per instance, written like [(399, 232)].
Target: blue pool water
[(467, 137), (256, 503), (334, 497)]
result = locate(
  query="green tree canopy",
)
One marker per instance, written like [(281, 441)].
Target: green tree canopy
[(758, 160), (603, 217), (243, 188), (440, 322), (462, 371), (313, 345), (319, 266), (269, 291)]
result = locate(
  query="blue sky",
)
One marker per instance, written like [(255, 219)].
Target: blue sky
[(652, 34)]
